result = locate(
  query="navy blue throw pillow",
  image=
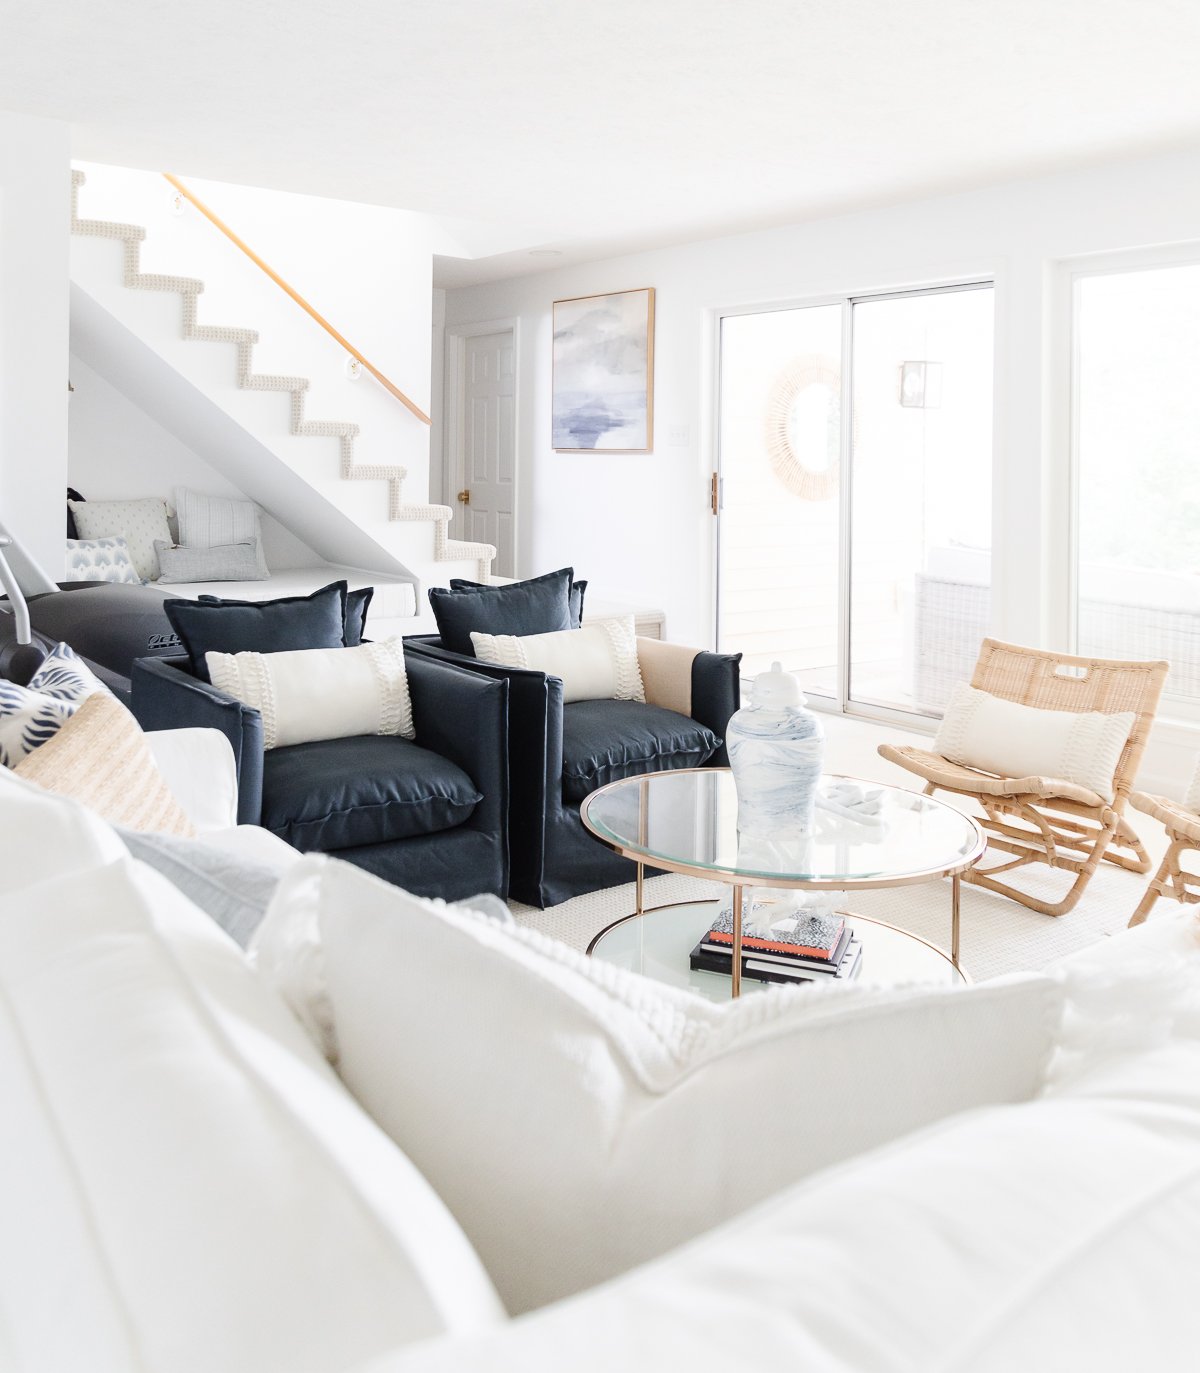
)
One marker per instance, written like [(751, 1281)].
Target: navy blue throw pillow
[(357, 604), (574, 596), (211, 625), (538, 606)]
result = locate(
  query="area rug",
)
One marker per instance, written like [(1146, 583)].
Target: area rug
[(998, 935)]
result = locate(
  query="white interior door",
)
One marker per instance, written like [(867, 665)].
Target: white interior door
[(487, 497)]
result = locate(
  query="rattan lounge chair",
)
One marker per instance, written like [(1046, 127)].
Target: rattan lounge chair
[(1183, 833), (1044, 819)]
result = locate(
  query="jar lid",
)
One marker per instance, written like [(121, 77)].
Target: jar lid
[(777, 689)]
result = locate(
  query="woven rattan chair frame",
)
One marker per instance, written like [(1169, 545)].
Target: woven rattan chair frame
[(1183, 835), (1031, 819)]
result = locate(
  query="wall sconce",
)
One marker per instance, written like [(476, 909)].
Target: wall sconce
[(175, 203), (921, 385), (354, 368)]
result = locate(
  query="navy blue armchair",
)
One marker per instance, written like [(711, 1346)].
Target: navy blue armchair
[(561, 752), (429, 814)]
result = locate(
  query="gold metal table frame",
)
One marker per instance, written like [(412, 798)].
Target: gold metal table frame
[(643, 857)]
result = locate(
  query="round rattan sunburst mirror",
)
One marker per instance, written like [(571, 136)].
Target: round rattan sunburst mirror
[(808, 469)]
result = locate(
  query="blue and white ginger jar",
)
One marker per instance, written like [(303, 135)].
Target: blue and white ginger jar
[(776, 749)]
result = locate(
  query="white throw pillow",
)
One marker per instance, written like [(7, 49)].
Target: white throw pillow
[(212, 521), (139, 523), (579, 1119), (983, 731), (1056, 1237), (320, 693), (31, 715), (598, 662), (186, 1185), (100, 560)]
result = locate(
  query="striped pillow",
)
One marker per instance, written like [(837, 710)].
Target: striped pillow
[(32, 715), (214, 521)]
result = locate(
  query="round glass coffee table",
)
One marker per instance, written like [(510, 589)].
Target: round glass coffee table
[(686, 822)]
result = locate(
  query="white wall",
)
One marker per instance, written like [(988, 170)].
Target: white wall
[(116, 451), (34, 238), (638, 525)]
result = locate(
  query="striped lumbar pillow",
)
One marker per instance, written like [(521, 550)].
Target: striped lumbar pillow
[(214, 521)]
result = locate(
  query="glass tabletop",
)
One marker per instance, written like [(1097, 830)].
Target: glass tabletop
[(865, 834), (658, 943)]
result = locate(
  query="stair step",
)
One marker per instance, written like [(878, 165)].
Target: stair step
[(131, 237)]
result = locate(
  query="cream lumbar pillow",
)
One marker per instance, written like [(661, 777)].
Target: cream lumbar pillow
[(100, 757), (598, 662), (610, 1117), (320, 693), (983, 731)]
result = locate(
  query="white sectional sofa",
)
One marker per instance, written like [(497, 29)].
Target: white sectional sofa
[(190, 1188)]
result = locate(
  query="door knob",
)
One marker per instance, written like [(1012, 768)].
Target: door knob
[(465, 497)]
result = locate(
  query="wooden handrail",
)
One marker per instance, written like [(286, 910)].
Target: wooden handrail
[(296, 296)]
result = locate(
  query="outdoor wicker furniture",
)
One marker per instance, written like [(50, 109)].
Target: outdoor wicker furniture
[(1044, 819), (1183, 833)]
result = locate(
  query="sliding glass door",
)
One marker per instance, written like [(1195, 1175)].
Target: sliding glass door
[(1137, 417), (855, 528)]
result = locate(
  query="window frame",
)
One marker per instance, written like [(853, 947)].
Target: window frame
[(1066, 477)]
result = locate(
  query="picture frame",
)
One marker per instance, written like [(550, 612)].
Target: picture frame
[(602, 388)]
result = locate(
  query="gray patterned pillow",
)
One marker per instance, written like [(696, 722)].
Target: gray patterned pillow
[(227, 562), (31, 715), (99, 560), (139, 523)]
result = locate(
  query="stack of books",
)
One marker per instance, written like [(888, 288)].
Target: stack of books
[(813, 948)]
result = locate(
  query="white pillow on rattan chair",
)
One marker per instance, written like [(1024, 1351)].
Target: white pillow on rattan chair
[(1012, 740)]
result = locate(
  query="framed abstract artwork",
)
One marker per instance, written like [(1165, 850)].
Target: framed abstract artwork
[(603, 388)]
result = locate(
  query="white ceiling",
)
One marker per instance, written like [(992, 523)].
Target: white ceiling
[(606, 127)]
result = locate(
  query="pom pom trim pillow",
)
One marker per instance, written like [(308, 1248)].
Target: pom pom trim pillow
[(320, 693), (1012, 740), (598, 662)]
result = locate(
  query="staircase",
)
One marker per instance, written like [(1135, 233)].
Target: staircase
[(319, 502)]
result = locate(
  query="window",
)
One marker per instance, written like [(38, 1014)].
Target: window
[(1137, 422), (855, 528)]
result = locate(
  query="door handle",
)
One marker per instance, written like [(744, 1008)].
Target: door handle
[(465, 497)]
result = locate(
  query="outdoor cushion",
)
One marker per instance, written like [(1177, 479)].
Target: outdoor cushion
[(604, 741), (341, 793)]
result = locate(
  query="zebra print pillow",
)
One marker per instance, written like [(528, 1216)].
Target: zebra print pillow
[(31, 715)]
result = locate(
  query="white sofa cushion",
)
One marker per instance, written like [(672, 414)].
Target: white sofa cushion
[(186, 1186), (1004, 737), (579, 1119), (42, 834), (1058, 1235)]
